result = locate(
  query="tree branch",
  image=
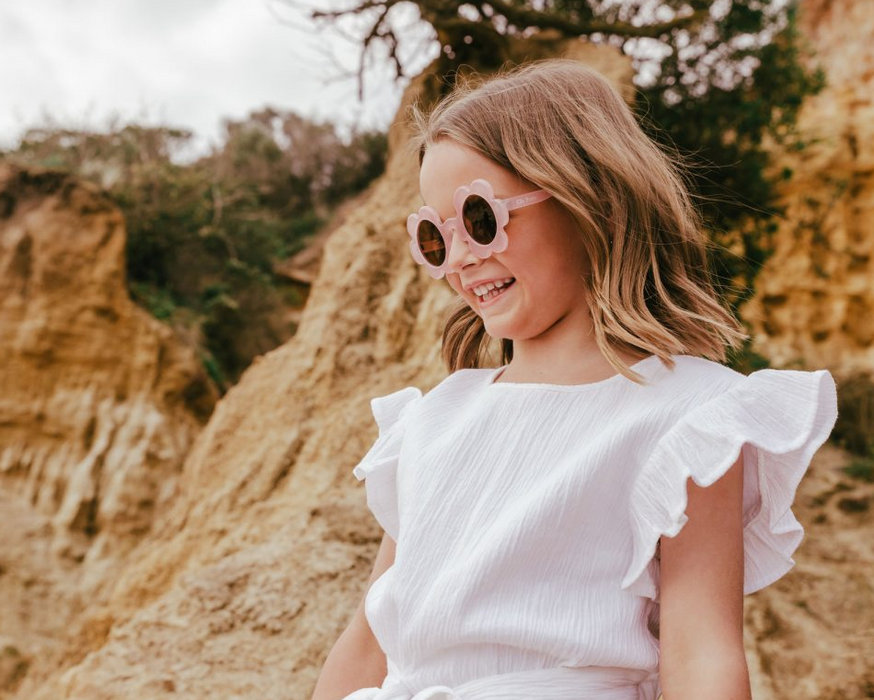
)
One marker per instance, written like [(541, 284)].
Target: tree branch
[(363, 7), (451, 26)]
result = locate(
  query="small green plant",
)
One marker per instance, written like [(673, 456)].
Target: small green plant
[(854, 429), (159, 302), (214, 370), (862, 469)]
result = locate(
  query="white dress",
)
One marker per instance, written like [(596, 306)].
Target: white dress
[(527, 515)]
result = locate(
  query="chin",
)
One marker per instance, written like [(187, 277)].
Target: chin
[(496, 330)]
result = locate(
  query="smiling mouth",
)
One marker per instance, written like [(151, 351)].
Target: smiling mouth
[(494, 293)]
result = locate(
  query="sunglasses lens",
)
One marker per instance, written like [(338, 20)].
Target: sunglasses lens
[(479, 219), (430, 243)]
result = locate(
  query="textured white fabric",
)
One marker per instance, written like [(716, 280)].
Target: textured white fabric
[(527, 516)]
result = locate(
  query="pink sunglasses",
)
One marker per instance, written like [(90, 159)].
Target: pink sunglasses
[(483, 219)]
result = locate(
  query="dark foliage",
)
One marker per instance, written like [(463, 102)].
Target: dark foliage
[(204, 236)]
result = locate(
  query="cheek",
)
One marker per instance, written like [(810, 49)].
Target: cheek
[(455, 283), (550, 259), (564, 239)]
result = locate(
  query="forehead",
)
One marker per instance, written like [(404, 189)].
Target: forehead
[(448, 165)]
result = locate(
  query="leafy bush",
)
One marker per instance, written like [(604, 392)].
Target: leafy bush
[(204, 236)]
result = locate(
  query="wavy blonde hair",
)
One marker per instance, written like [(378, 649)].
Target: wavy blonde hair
[(563, 127)]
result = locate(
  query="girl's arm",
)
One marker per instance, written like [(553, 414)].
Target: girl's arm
[(356, 659), (701, 595)]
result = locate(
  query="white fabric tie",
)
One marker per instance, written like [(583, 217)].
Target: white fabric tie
[(560, 683)]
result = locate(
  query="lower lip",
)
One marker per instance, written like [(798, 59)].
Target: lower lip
[(489, 302)]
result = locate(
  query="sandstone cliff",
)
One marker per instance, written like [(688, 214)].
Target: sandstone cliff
[(815, 296), (241, 587), (98, 408), (814, 306)]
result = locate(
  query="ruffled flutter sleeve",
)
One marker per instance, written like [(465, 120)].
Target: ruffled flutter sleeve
[(379, 466), (779, 418)]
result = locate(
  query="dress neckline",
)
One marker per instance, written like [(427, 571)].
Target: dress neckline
[(493, 374)]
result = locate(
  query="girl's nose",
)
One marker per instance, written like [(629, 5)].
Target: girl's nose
[(460, 253)]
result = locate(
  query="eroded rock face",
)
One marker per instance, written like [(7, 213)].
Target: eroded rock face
[(815, 297), (263, 555), (807, 635), (99, 401), (99, 404)]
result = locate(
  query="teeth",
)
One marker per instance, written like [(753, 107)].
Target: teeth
[(488, 286)]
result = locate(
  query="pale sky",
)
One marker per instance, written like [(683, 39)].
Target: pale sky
[(186, 63)]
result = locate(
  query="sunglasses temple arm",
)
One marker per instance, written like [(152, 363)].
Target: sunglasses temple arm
[(523, 200)]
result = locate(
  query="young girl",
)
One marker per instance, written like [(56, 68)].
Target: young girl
[(582, 522)]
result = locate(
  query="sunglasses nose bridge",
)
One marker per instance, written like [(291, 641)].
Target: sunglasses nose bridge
[(454, 230), (459, 248)]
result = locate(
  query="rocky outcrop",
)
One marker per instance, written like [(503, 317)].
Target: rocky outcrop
[(814, 307), (99, 401), (815, 297), (240, 589), (98, 408)]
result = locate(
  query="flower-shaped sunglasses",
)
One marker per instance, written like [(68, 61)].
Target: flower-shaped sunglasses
[(483, 218)]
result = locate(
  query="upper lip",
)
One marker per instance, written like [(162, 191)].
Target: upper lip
[(469, 287)]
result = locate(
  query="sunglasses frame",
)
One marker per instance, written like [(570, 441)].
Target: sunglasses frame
[(449, 229)]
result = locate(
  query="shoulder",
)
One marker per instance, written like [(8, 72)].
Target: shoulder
[(439, 407), (672, 391), (459, 383), (698, 385), (692, 373)]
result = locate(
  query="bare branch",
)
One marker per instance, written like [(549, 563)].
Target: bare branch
[(373, 34), (363, 7), (489, 29), (343, 71), (285, 21)]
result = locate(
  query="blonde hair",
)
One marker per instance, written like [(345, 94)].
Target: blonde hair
[(563, 127)]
